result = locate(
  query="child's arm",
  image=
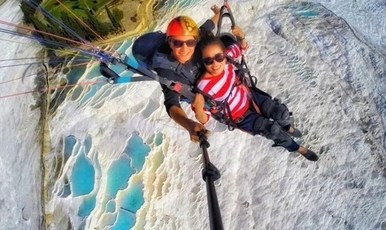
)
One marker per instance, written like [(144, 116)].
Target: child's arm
[(233, 51), (198, 106), (236, 50)]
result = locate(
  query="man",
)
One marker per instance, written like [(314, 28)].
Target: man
[(182, 37)]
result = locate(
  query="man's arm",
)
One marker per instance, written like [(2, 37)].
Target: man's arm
[(211, 23), (173, 108), (216, 16), (180, 117)]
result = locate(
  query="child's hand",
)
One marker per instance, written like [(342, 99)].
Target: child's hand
[(198, 104), (238, 32), (198, 101)]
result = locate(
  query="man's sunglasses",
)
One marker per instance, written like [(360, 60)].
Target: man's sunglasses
[(189, 43), (218, 58)]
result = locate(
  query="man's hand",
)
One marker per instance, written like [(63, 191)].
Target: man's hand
[(215, 9), (179, 116), (194, 128)]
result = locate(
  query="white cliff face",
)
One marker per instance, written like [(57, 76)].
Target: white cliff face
[(324, 68), (20, 175)]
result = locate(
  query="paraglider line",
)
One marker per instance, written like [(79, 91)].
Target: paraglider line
[(85, 83)]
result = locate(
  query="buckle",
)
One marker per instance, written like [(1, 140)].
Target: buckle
[(240, 119)]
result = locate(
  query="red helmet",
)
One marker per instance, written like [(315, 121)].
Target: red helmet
[(182, 26)]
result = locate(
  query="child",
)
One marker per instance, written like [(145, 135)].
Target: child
[(244, 107)]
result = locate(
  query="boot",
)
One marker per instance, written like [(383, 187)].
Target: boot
[(310, 155), (295, 132)]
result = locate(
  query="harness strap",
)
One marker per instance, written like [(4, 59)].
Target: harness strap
[(162, 61), (225, 11), (220, 110), (179, 87), (242, 71)]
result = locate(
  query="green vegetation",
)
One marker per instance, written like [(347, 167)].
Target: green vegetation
[(83, 17), (79, 7)]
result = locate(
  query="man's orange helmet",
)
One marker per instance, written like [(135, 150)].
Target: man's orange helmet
[(182, 26)]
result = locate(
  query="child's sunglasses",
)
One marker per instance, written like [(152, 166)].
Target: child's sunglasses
[(189, 43), (218, 58)]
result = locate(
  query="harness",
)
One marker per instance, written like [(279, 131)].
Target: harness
[(132, 65), (162, 61), (220, 110)]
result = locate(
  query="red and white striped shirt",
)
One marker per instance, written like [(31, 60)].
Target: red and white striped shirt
[(226, 86)]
